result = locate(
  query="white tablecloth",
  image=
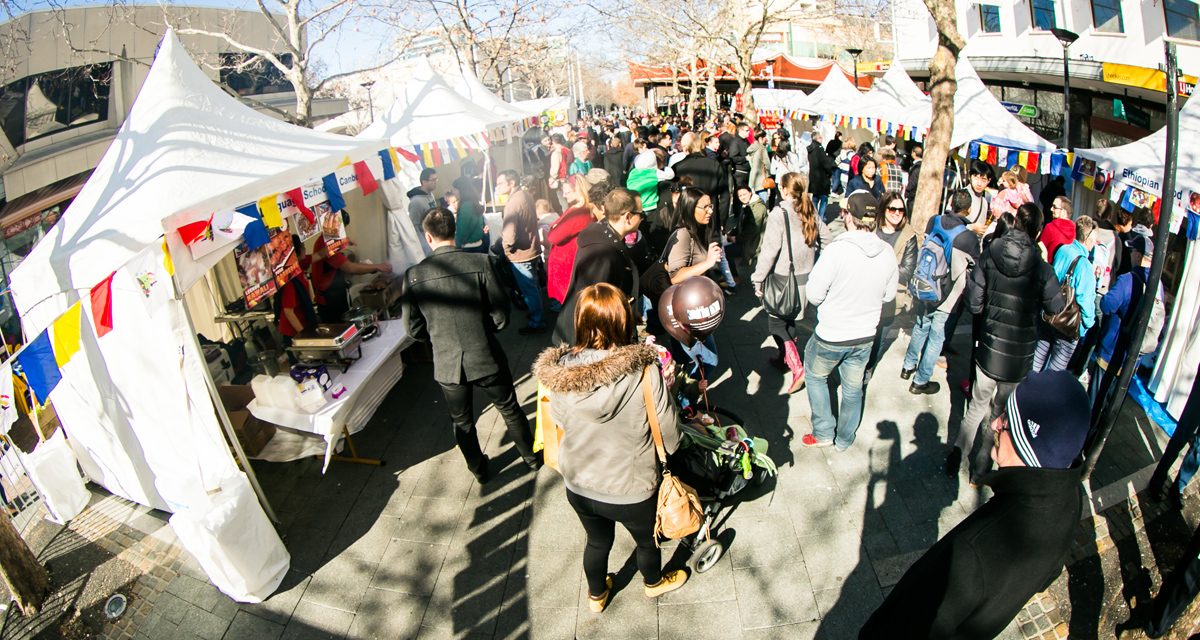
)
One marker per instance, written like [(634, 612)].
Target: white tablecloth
[(367, 383)]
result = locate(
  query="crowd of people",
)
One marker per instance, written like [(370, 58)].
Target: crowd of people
[(619, 209)]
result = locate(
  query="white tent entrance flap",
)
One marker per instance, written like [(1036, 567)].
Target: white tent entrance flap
[(135, 403)]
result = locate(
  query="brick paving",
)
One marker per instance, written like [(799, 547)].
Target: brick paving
[(416, 548)]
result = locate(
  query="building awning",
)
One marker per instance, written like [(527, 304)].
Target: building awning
[(23, 212), (780, 68)]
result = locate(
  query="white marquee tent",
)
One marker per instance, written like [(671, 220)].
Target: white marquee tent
[(896, 89), (1142, 163), (835, 96), (135, 403), (785, 100), (978, 115)]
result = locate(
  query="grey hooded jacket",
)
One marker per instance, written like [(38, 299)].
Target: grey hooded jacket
[(606, 453)]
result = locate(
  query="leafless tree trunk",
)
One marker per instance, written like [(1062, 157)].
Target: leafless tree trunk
[(942, 86), (26, 579)]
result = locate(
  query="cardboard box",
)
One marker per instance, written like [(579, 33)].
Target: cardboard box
[(252, 433)]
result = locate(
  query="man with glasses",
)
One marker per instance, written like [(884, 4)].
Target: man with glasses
[(420, 200), (978, 577), (603, 256), (1060, 230)]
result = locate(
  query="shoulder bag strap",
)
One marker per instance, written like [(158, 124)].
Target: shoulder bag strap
[(652, 415), (787, 232)]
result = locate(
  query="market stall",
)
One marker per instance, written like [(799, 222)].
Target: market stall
[(191, 176), (1132, 175)]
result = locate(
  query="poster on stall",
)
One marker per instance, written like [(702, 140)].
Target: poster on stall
[(305, 229), (255, 273), (284, 263), (332, 228)]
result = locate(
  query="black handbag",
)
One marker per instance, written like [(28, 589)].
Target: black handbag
[(781, 293), (1066, 322)]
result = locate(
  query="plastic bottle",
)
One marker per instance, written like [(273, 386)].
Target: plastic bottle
[(261, 385)]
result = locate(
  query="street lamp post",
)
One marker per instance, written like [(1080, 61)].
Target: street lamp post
[(370, 103), (855, 53), (1066, 38)]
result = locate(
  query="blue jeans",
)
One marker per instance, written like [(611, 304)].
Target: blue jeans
[(1191, 462), (820, 359), (819, 202), (525, 274), (928, 334)]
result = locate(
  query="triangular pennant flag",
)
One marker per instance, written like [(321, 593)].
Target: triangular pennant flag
[(37, 364), (194, 232), (101, 296), (65, 332), (297, 197), (389, 168), (333, 192), (345, 162), (366, 181), (256, 235), (269, 207)]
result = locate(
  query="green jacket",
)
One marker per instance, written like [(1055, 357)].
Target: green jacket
[(645, 183)]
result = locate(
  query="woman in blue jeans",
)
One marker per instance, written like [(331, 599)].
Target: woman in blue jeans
[(607, 454)]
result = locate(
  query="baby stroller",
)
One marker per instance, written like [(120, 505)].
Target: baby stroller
[(717, 458)]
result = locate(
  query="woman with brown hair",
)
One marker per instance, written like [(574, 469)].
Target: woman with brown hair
[(606, 455), (796, 214)]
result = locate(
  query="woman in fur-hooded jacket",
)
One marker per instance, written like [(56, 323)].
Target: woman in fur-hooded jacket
[(606, 455)]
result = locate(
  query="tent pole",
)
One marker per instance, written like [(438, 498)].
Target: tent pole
[(1114, 399), (223, 417)]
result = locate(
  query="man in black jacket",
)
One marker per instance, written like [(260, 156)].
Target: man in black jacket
[(914, 175), (453, 300), (603, 256), (1009, 288), (971, 584), (820, 174)]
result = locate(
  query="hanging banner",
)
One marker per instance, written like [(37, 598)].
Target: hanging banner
[(255, 273), (284, 263)]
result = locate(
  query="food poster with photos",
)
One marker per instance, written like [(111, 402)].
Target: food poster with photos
[(255, 273), (305, 229), (284, 263), (332, 228)]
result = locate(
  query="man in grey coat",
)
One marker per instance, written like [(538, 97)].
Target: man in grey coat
[(453, 300), (420, 200)]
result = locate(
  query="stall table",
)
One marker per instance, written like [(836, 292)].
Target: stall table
[(367, 382)]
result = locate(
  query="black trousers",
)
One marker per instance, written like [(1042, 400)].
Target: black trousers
[(599, 522), (1185, 434), (1177, 592), (498, 388)]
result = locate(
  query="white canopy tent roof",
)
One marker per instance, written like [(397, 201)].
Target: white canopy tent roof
[(896, 88), (1143, 160), (186, 149), (470, 86), (541, 105), (978, 115), (835, 96), (781, 99), (428, 109)]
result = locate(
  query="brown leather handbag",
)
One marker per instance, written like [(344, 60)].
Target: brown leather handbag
[(1066, 322), (679, 512)]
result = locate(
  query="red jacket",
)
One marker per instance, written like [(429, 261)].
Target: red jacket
[(1057, 232), (561, 238)]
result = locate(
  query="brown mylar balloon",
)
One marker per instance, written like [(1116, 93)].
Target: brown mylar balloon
[(698, 306), (667, 317)]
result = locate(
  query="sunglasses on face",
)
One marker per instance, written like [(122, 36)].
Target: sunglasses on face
[(896, 209)]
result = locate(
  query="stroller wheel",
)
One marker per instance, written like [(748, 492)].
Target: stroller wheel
[(705, 556)]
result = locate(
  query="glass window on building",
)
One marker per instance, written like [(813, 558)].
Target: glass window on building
[(1043, 15), (12, 111), (989, 18), (1106, 16), (250, 75), (1183, 19), (66, 98)]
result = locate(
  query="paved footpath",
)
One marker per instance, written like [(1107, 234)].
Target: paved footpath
[(418, 549)]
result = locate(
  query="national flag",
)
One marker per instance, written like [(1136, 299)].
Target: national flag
[(38, 365), (269, 207), (65, 332), (101, 297), (389, 169), (366, 181), (297, 197), (194, 232), (333, 192)]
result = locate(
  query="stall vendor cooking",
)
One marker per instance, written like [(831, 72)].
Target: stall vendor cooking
[(330, 289)]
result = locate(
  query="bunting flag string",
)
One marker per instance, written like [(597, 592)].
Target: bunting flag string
[(66, 332), (366, 181), (297, 197)]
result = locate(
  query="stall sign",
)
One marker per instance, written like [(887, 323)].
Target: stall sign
[(332, 228), (255, 273), (284, 263), (49, 216)]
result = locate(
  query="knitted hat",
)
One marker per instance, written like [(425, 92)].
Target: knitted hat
[(1048, 418)]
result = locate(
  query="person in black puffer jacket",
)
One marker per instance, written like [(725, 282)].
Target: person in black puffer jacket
[(1010, 287)]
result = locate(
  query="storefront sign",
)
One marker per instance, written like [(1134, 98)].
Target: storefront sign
[(1022, 110), (1144, 78), (49, 216)]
